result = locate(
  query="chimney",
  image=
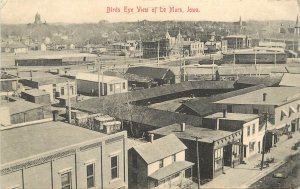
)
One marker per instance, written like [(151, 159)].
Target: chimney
[(151, 138), (224, 113), (217, 124), (182, 127), (264, 97)]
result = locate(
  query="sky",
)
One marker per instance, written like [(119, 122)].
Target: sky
[(79, 11)]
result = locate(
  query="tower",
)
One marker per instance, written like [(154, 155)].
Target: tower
[(37, 19)]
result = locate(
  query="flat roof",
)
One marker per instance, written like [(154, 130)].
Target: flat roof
[(56, 56), (23, 142), (204, 134), (35, 92), (275, 96), (94, 77), (20, 106), (290, 80), (234, 116)]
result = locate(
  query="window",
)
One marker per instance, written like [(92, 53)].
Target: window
[(90, 175), (229, 108), (161, 163), (251, 146), (173, 157), (219, 153), (66, 180), (124, 85), (62, 91), (114, 167), (248, 131), (253, 129), (111, 86), (255, 111)]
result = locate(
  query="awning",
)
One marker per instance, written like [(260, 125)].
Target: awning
[(171, 169)]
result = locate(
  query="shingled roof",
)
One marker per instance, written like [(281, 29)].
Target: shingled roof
[(267, 81), (151, 72)]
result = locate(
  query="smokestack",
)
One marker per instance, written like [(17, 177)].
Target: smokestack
[(151, 138), (182, 127), (224, 113), (264, 97)]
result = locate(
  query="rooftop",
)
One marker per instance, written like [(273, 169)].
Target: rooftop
[(94, 77), (20, 106), (287, 94), (290, 80), (168, 146), (234, 116), (56, 56), (51, 80), (204, 134), (35, 92), (151, 72), (267, 81), (23, 142)]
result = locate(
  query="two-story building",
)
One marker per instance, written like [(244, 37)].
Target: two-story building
[(217, 149), (281, 103), (159, 164), (238, 41), (252, 131), (59, 155), (56, 86)]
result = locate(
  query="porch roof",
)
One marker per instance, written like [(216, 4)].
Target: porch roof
[(171, 169)]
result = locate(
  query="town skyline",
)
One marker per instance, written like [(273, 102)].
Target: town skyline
[(71, 12)]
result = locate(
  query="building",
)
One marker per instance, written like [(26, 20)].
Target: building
[(281, 103), (194, 48), (15, 48), (22, 111), (61, 59), (159, 163), (290, 80), (59, 155), (152, 48), (272, 44), (238, 41), (213, 46), (247, 81), (160, 75), (89, 83), (137, 82), (56, 86), (256, 56), (36, 96), (252, 130), (8, 82), (217, 148), (239, 26)]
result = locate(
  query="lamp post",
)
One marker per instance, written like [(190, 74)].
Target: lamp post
[(198, 162)]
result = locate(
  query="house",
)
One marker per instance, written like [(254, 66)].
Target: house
[(89, 83), (23, 111), (36, 96), (136, 81), (159, 163), (238, 41), (217, 148), (290, 80), (281, 103), (194, 48), (213, 46), (56, 86), (160, 75), (252, 130), (59, 155)]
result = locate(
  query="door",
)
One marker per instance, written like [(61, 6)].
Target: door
[(227, 155), (258, 145)]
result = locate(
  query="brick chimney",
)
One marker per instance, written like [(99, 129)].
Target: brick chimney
[(182, 127), (265, 97)]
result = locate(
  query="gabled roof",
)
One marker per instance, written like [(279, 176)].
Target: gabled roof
[(267, 81), (151, 72), (160, 148), (204, 106), (290, 80)]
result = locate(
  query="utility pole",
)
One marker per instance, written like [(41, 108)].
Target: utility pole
[(264, 142), (99, 85), (275, 61), (183, 66), (69, 103), (198, 161), (158, 53), (213, 69)]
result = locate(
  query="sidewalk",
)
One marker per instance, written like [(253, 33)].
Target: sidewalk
[(242, 176)]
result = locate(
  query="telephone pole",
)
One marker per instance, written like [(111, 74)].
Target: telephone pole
[(158, 53), (198, 161), (69, 103), (264, 141)]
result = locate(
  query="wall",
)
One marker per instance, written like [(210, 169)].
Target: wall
[(30, 115), (291, 116), (6, 86), (5, 116), (141, 171), (46, 172)]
